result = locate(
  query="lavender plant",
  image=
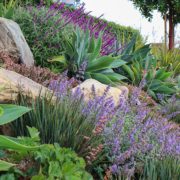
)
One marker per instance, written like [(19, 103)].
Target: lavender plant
[(128, 131), (135, 132)]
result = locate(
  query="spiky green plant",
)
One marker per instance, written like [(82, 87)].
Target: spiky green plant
[(165, 169), (60, 121), (83, 60)]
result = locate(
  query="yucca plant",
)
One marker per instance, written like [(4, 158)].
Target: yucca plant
[(83, 60)]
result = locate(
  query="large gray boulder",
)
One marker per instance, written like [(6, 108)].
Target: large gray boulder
[(13, 42)]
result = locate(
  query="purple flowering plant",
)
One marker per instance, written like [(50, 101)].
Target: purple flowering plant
[(44, 29), (130, 131)]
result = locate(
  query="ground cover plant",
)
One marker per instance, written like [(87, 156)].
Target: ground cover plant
[(24, 157)]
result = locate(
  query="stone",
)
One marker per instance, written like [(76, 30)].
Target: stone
[(13, 42), (11, 82), (114, 92)]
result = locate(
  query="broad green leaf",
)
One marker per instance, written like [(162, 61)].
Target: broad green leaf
[(161, 74), (155, 84), (1, 111), (129, 47), (117, 63), (12, 112), (5, 166), (34, 133), (115, 77), (101, 78), (97, 49), (60, 59), (142, 52), (8, 143), (129, 72), (165, 90), (103, 62)]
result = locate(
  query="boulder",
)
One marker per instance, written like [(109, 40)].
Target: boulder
[(13, 42), (11, 82), (114, 92)]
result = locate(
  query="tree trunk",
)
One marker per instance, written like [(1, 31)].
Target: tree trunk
[(165, 32), (171, 30)]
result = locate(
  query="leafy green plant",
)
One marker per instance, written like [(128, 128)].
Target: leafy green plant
[(38, 35), (61, 163), (7, 9), (53, 161), (11, 112), (170, 60), (142, 69), (83, 60)]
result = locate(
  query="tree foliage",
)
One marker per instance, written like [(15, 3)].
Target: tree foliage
[(163, 6)]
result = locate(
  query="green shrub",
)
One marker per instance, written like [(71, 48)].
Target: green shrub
[(37, 33)]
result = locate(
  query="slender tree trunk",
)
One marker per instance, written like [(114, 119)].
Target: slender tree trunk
[(165, 32), (171, 30)]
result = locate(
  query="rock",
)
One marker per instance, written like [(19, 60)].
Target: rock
[(113, 92), (11, 82), (13, 42)]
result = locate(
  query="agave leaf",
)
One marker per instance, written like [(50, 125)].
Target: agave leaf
[(1, 111), (97, 49), (5, 166), (101, 78), (142, 52), (115, 77), (91, 45), (103, 62), (117, 63), (165, 90), (155, 84), (130, 46), (129, 71), (12, 112), (161, 74)]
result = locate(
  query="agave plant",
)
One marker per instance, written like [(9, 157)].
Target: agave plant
[(142, 69), (83, 60)]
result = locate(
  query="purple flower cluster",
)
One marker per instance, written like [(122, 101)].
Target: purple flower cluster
[(129, 129), (135, 131), (77, 17)]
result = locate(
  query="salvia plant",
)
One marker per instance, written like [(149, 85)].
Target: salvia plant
[(45, 40)]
